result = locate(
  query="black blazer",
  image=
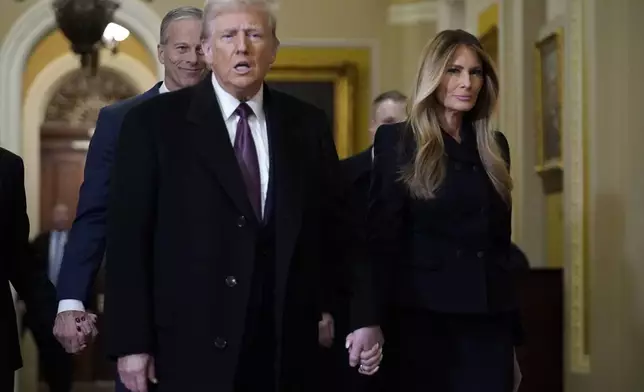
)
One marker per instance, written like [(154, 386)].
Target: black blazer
[(85, 249), (16, 266), (180, 227), (449, 254), (357, 174)]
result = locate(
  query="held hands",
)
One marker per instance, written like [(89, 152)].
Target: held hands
[(365, 349), (74, 329), (136, 370)]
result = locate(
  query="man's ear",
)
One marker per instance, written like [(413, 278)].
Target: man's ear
[(275, 49), (160, 50)]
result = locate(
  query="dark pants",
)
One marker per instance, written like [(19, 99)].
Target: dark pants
[(55, 363), (337, 375), (428, 351), (256, 366), (257, 359)]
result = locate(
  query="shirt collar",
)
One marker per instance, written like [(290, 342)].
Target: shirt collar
[(163, 88), (228, 103)]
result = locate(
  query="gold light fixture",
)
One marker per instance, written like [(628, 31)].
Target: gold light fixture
[(84, 23)]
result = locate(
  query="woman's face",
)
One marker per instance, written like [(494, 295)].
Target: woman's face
[(462, 81)]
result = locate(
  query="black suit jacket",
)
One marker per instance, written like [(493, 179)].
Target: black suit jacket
[(16, 267), (449, 254), (180, 226), (357, 174), (85, 247)]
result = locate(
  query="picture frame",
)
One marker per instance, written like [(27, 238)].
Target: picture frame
[(332, 88), (549, 101)]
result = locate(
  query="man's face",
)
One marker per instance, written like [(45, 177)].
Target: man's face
[(387, 112), (182, 55), (241, 49)]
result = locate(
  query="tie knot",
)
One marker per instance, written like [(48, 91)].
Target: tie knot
[(244, 111)]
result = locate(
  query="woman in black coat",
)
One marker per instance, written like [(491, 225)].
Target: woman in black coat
[(439, 228)]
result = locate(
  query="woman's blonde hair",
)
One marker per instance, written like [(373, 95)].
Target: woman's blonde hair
[(426, 172)]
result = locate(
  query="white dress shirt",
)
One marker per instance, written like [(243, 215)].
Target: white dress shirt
[(258, 129), (163, 88), (74, 304)]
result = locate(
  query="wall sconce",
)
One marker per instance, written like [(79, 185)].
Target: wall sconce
[(113, 35)]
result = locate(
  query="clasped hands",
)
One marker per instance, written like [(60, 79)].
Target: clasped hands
[(364, 345), (74, 329)]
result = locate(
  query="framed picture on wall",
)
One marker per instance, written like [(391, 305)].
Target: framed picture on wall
[(330, 88), (549, 100)]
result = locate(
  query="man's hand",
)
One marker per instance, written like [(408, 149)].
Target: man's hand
[(326, 330), (74, 329), (365, 348), (135, 371)]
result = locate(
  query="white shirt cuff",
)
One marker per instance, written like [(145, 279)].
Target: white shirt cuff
[(70, 304)]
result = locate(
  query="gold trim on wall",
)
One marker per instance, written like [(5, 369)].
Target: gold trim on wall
[(488, 20), (546, 165), (344, 79), (577, 188)]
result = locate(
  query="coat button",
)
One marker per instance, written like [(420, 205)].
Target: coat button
[(457, 166), (220, 343), (241, 221), (475, 168), (231, 281), (480, 254), (459, 253)]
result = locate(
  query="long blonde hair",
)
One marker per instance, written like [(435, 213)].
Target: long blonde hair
[(425, 174)]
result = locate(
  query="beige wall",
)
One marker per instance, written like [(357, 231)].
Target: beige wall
[(615, 58), (602, 201), (473, 9)]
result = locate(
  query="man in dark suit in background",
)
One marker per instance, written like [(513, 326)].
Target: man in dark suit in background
[(17, 268), (47, 250), (180, 53), (216, 237), (388, 108)]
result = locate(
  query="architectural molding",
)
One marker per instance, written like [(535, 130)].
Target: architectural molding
[(43, 88), (575, 178), (36, 22), (413, 13)]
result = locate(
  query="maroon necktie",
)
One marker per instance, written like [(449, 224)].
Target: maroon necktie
[(246, 154)]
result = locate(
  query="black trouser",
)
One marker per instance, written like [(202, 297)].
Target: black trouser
[(429, 351), (337, 375), (256, 366), (55, 364)]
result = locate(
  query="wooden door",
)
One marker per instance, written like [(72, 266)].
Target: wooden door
[(63, 154), (62, 162)]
